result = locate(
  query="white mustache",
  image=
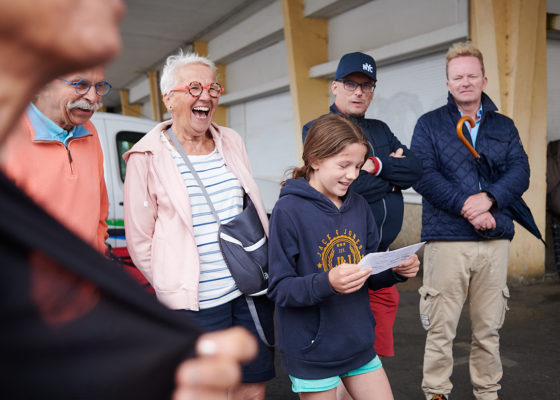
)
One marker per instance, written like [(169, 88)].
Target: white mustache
[(84, 104)]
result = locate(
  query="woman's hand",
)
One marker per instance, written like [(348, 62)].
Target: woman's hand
[(408, 268), (348, 278), (216, 369)]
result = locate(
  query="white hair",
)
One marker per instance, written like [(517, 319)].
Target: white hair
[(169, 73)]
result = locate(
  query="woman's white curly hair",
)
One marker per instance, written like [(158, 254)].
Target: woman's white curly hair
[(169, 73)]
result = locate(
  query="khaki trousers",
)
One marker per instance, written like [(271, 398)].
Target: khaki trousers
[(453, 271)]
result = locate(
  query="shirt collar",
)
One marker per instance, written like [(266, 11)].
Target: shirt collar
[(478, 114), (334, 109), (48, 130)]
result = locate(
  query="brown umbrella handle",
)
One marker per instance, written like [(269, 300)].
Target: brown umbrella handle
[(462, 137)]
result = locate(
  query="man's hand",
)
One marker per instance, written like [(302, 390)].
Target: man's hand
[(475, 205), (408, 268), (216, 369), (348, 278), (399, 153), (368, 166), (484, 221)]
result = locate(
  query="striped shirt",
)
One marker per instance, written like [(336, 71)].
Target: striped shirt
[(216, 286)]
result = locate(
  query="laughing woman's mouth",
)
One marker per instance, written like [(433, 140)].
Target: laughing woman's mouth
[(201, 111)]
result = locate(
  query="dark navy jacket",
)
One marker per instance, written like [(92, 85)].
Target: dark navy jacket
[(383, 192), (450, 174), (321, 333)]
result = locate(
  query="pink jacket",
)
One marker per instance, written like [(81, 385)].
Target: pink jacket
[(157, 213), (68, 183)]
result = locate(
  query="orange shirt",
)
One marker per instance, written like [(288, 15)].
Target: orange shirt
[(68, 182)]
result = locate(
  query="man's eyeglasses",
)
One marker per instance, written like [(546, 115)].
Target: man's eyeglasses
[(196, 88), (83, 85), (367, 87)]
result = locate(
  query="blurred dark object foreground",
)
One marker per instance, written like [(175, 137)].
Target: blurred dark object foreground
[(74, 325)]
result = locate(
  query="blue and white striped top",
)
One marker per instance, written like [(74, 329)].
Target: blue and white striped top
[(216, 286)]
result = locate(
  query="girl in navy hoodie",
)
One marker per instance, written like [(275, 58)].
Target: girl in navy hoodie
[(319, 231)]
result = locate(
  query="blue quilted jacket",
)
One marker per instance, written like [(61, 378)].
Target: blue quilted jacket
[(450, 173)]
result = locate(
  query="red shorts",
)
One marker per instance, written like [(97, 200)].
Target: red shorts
[(384, 303)]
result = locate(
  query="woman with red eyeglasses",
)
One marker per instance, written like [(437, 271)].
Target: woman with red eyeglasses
[(171, 232)]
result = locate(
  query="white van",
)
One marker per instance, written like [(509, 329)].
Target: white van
[(117, 134)]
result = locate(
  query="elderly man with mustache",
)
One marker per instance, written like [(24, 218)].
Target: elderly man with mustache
[(55, 155)]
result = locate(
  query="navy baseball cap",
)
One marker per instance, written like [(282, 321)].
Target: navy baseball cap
[(356, 62)]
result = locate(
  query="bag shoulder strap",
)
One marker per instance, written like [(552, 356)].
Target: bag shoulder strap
[(181, 151), (250, 302), (257, 321)]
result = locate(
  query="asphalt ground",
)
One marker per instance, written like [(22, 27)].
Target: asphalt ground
[(530, 347)]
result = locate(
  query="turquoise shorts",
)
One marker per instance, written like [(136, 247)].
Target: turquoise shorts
[(322, 385)]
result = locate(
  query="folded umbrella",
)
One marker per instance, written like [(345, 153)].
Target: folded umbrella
[(488, 173)]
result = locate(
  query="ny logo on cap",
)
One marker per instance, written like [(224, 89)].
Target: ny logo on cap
[(367, 67)]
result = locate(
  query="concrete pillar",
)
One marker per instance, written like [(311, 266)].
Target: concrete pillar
[(306, 46), (155, 95), (512, 37), (220, 117), (133, 110), (200, 47)]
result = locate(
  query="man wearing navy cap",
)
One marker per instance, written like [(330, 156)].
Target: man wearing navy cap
[(390, 168)]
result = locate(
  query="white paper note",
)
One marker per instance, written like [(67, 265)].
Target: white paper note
[(389, 259)]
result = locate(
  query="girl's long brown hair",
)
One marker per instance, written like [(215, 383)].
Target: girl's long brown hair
[(328, 136)]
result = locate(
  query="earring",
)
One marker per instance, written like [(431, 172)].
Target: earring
[(170, 108)]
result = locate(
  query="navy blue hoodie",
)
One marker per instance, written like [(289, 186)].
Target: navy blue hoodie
[(321, 333)]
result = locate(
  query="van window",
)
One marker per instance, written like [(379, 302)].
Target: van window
[(125, 141)]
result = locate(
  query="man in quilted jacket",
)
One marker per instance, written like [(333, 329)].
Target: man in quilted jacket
[(468, 234)]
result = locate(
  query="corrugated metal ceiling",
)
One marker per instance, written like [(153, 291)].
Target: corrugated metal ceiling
[(152, 30)]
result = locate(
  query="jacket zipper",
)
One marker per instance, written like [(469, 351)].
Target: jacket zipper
[(67, 146), (382, 222), (70, 159)]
